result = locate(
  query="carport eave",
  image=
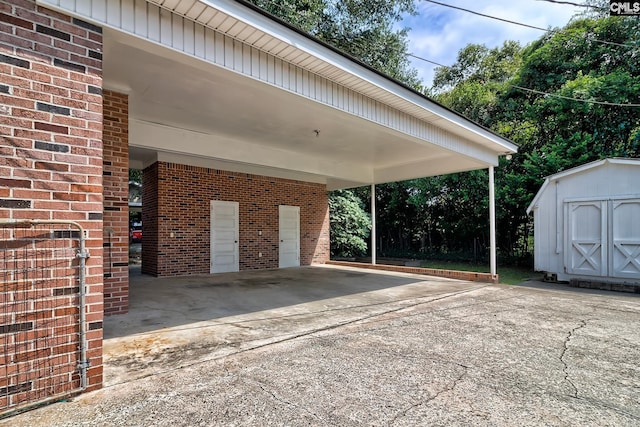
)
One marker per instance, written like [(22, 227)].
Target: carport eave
[(368, 74), (478, 137)]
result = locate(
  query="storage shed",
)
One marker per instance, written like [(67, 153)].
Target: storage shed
[(587, 223)]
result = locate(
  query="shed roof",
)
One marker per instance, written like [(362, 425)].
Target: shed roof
[(578, 170)]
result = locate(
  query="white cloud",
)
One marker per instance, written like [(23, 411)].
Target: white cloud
[(438, 32)]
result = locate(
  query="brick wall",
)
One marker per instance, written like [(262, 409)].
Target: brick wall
[(51, 134), (115, 138), (150, 220), (470, 276), (181, 197)]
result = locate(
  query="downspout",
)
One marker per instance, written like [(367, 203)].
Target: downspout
[(83, 364), (373, 224), (492, 223)]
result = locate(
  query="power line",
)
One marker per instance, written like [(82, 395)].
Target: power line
[(613, 104), (589, 6), (428, 60), (484, 15), (589, 101)]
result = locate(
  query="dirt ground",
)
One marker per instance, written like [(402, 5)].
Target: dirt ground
[(333, 346)]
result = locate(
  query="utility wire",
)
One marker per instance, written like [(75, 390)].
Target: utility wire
[(589, 6), (546, 30), (427, 60), (486, 16), (589, 101)]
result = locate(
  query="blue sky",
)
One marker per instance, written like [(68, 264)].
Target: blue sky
[(438, 33)]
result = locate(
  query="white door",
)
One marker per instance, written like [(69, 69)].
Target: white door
[(224, 237), (289, 222), (586, 238), (625, 238)]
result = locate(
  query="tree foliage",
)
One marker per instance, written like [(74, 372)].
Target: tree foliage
[(366, 29), (135, 175), (350, 224), (573, 114), (565, 122)]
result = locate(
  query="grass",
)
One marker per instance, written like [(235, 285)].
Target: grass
[(508, 275)]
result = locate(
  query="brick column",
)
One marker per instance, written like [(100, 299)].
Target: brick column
[(150, 219), (51, 134), (115, 136)]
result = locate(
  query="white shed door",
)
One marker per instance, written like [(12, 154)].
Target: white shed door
[(625, 238), (289, 223), (224, 237), (587, 237)]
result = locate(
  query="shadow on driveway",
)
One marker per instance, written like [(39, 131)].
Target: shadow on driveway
[(180, 321), (157, 303)]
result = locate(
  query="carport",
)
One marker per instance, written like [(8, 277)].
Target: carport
[(241, 124)]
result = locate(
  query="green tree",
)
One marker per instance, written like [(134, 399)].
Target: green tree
[(135, 175), (350, 224), (566, 122), (576, 82)]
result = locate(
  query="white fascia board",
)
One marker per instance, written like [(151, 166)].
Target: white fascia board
[(293, 38), (276, 30)]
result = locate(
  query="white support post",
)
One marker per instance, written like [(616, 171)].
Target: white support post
[(492, 222), (373, 224)]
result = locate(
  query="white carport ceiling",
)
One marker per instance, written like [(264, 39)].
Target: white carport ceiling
[(261, 128)]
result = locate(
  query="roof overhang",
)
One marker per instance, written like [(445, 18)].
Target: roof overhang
[(220, 84)]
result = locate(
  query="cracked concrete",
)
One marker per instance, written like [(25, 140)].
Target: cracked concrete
[(565, 348), (332, 346), (403, 413)]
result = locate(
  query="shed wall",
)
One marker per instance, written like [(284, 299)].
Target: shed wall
[(605, 182)]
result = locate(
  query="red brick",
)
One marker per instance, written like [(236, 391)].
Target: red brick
[(14, 20), (33, 75), (59, 167), (53, 14), (15, 183), (177, 200), (29, 85), (69, 196), (51, 128), (15, 41), (32, 16), (116, 194)]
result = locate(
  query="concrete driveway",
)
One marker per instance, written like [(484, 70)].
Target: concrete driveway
[(339, 346)]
